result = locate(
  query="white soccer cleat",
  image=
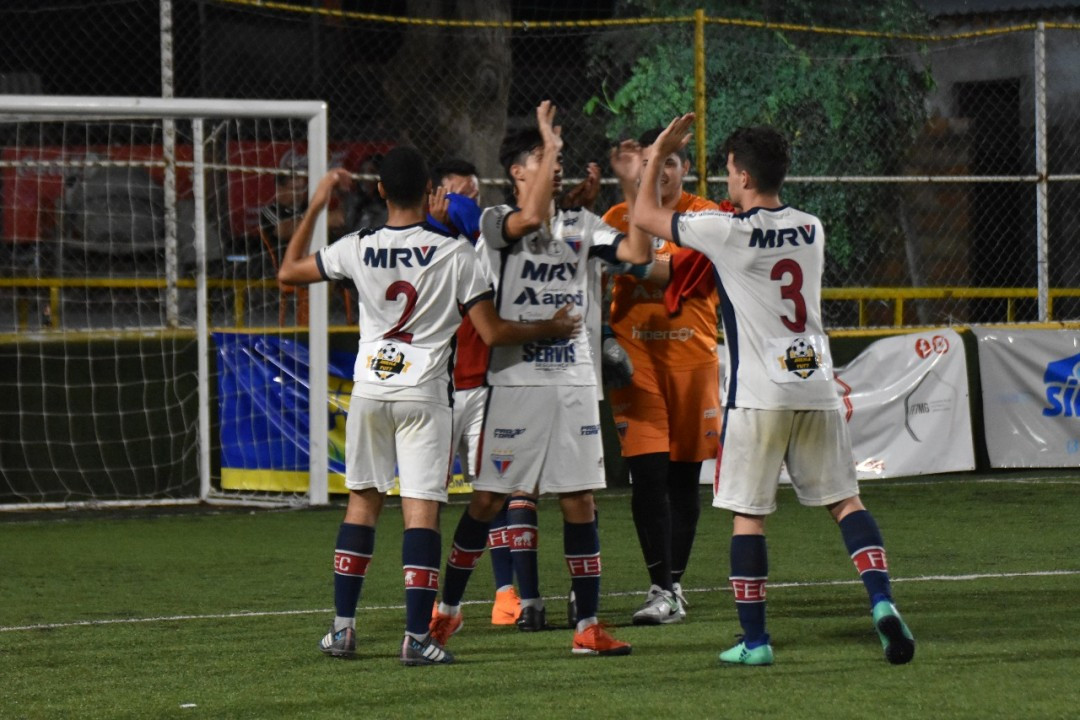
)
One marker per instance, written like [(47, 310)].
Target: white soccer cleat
[(660, 608), (683, 604)]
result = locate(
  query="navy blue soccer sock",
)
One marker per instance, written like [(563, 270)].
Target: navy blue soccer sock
[(352, 553), (469, 539), (420, 550), (863, 540), (749, 570), (524, 541), (502, 565), (581, 545)]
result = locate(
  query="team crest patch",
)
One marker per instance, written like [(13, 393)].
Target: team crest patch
[(574, 243), (388, 362), (800, 358), (502, 462)]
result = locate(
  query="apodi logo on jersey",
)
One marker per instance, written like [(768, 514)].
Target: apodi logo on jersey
[(1062, 378)]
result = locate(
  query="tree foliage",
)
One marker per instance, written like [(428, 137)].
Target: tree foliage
[(849, 105)]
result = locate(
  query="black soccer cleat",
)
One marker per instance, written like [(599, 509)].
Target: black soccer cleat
[(532, 619)]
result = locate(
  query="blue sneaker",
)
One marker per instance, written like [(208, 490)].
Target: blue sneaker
[(742, 655), (896, 639), (339, 643)]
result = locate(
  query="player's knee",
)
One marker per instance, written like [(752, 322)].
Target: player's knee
[(485, 505), (578, 507)]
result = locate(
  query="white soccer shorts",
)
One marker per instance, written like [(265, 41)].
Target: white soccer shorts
[(815, 444), (414, 436), (468, 426), (543, 439)]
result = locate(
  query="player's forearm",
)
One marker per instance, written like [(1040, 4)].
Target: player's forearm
[(648, 215), (509, 332), (536, 204), (636, 247), (495, 330), (290, 272)]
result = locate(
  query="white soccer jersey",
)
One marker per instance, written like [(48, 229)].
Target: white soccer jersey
[(769, 265), (414, 285), (537, 275)]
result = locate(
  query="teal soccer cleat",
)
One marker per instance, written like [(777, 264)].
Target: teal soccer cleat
[(742, 655), (896, 639)]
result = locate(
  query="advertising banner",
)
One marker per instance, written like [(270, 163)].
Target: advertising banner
[(905, 400), (264, 414), (906, 403), (1031, 405)]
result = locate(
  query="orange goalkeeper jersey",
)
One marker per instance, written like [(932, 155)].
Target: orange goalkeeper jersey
[(639, 317)]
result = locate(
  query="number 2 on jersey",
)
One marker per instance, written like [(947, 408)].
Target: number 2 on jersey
[(791, 291), (396, 290)]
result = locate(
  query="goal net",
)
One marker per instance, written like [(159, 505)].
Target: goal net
[(147, 354)]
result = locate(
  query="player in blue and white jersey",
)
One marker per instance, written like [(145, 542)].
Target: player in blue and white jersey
[(542, 430), (414, 285), (781, 402)]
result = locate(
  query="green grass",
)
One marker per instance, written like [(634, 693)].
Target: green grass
[(991, 646)]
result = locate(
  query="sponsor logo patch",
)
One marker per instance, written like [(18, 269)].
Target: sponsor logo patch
[(508, 433), (502, 462), (800, 358), (1061, 379), (388, 361)]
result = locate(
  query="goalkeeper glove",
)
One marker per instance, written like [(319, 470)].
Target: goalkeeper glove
[(615, 365)]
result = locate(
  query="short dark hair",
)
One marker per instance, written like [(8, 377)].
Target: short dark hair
[(403, 173), (451, 166), (762, 152), (648, 137), (516, 146)]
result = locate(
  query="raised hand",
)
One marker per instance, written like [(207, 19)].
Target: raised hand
[(338, 178), (675, 136), (584, 193), (439, 206), (552, 134), (625, 160)]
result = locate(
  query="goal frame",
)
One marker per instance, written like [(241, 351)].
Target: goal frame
[(314, 112)]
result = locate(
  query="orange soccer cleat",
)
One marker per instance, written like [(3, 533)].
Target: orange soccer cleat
[(594, 640), (507, 607), (443, 625)]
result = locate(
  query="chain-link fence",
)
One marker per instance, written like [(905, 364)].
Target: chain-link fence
[(943, 163)]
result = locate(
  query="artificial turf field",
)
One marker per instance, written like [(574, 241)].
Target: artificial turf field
[(216, 614)]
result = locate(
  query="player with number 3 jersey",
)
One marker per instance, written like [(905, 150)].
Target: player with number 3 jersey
[(781, 402)]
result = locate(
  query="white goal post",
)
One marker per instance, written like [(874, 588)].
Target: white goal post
[(100, 261)]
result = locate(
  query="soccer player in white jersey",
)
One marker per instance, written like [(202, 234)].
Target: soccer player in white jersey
[(542, 430), (781, 402), (414, 285)]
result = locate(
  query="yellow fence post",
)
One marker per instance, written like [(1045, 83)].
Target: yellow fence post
[(54, 306), (699, 101)]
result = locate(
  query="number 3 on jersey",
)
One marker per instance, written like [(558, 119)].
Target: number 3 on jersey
[(396, 290), (791, 291)]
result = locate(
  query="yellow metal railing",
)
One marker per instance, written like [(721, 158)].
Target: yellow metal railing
[(897, 296), (240, 289)]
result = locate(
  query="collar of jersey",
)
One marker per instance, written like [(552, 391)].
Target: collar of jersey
[(754, 211)]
